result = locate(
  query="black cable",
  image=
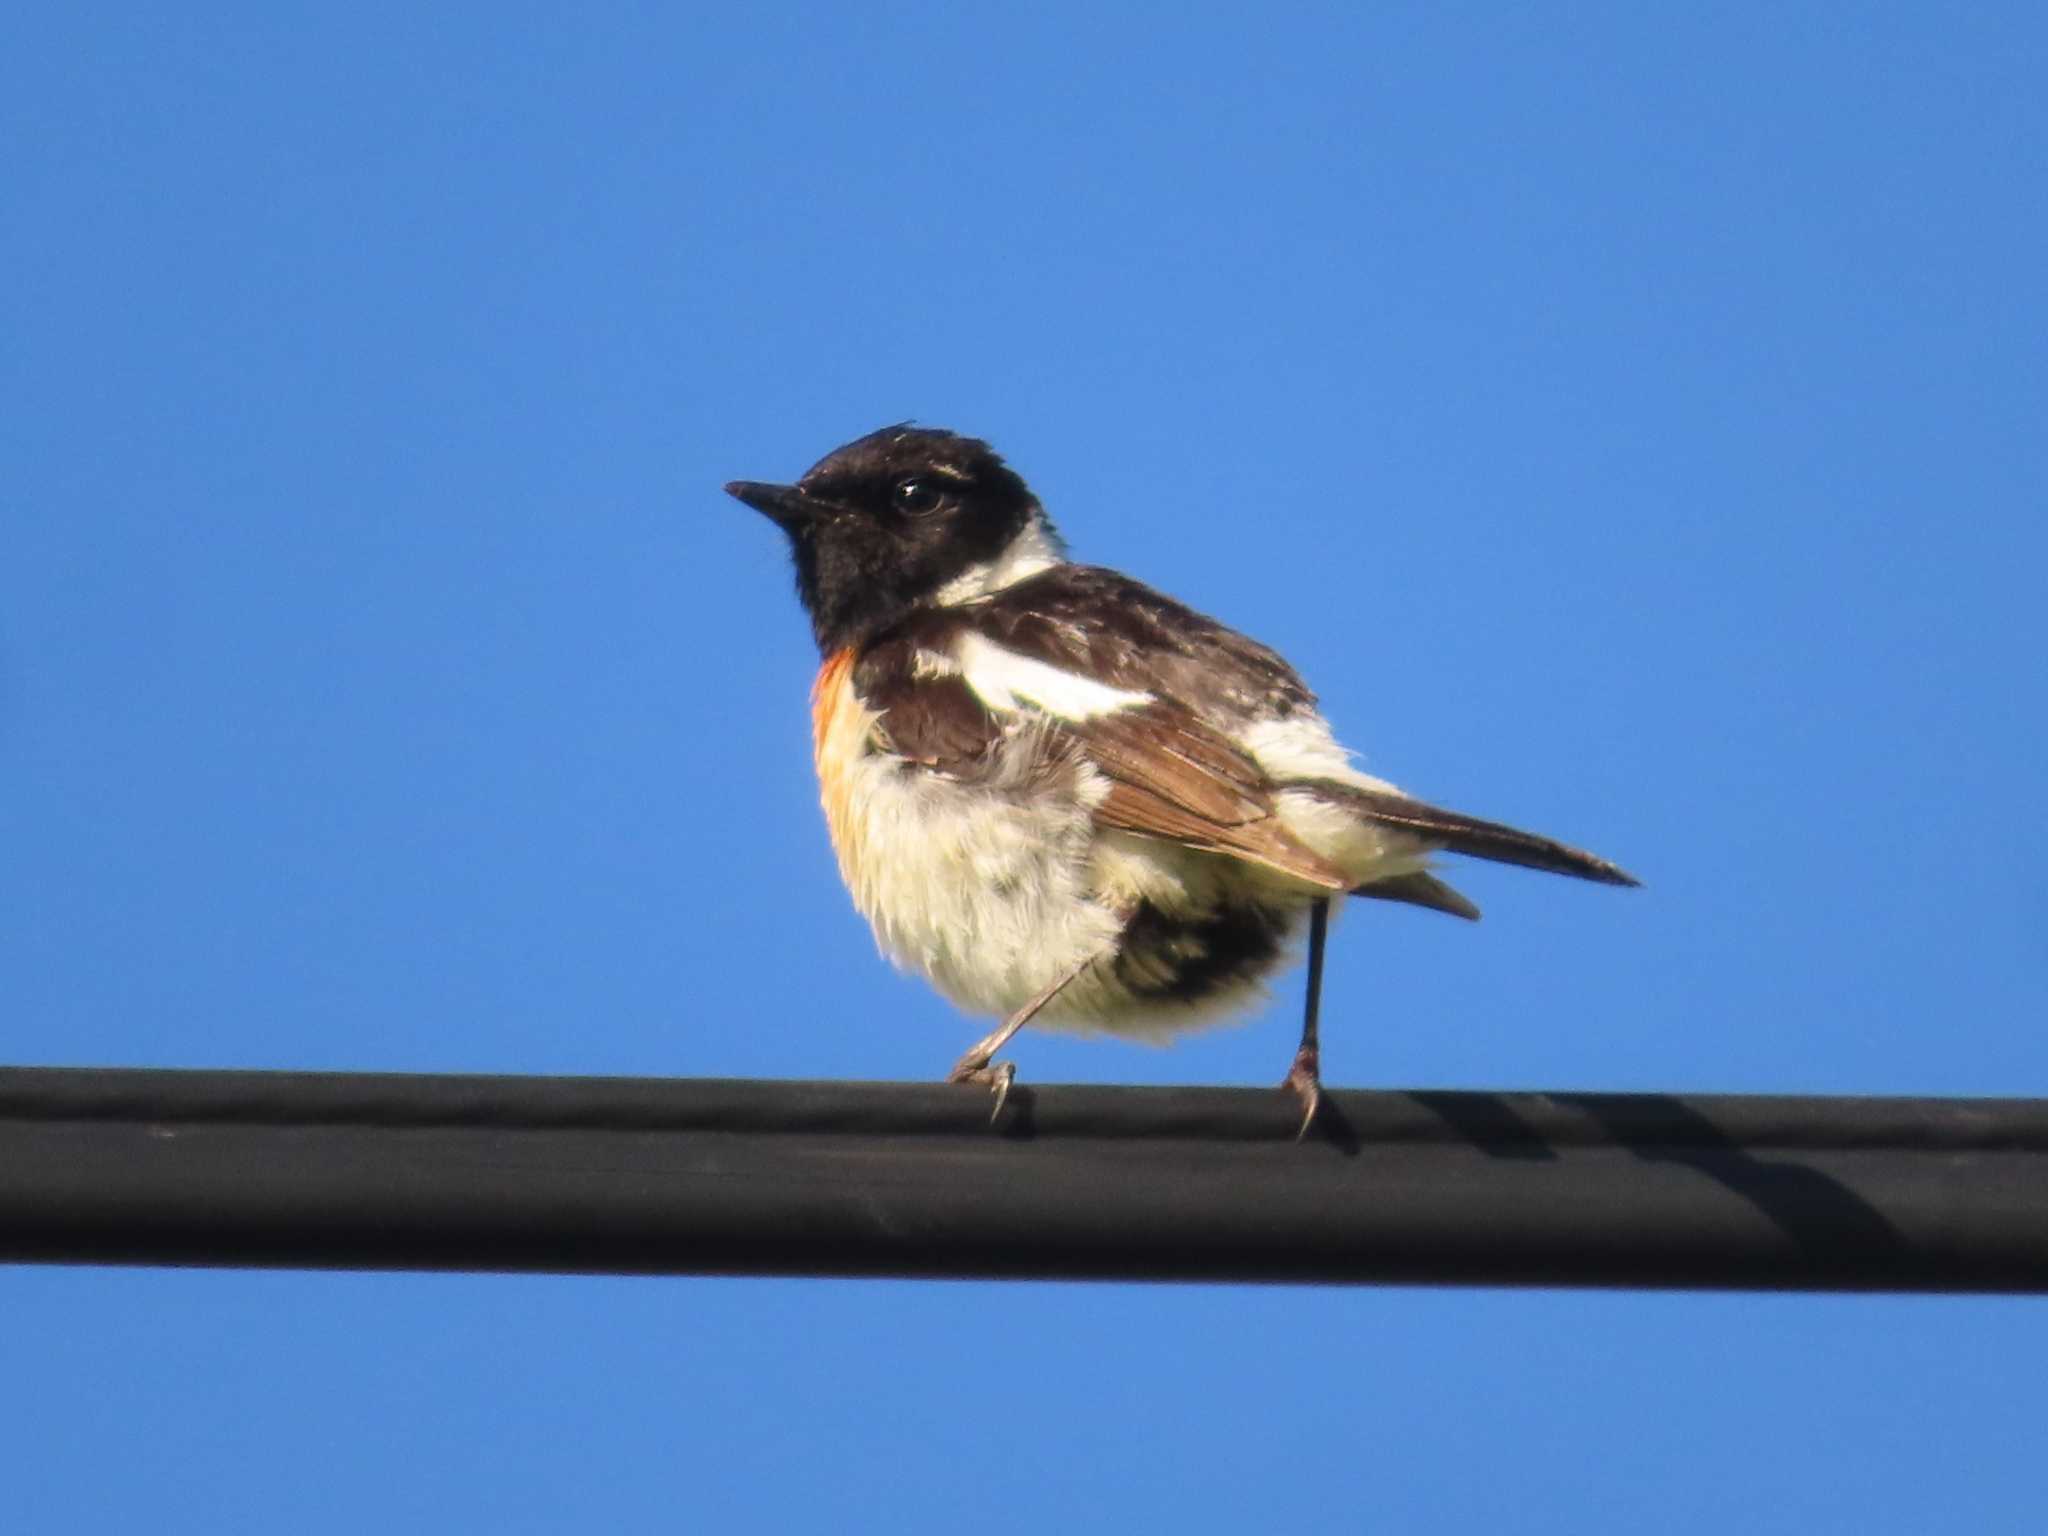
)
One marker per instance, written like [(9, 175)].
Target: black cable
[(755, 1177)]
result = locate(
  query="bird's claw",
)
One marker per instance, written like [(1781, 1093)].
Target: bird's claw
[(995, 1075), (1305, 1081)]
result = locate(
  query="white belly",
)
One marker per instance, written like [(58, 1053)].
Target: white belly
[(988, 894)]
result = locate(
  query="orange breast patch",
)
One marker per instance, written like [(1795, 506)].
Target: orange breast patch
[(838, 728)]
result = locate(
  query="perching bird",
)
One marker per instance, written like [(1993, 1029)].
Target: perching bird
[(1062, 796)]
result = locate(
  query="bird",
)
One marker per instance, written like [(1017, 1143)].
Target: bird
[(1065, 798)]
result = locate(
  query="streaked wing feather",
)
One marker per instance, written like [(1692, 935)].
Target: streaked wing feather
[(1172, 777)]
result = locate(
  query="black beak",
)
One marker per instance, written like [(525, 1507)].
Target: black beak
[(787, 505)]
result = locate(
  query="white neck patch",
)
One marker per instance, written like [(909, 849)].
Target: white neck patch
[(1036, 548)]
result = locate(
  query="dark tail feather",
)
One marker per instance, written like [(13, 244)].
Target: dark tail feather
[(1468, 834), (1420, 890)]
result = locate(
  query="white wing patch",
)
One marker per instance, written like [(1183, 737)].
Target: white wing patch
[(1005, 680)]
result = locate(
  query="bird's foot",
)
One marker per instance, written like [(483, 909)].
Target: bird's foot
[(996, 1076), (1305, 1081)]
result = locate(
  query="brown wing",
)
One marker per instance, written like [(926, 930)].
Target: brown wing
[(1172, 777)]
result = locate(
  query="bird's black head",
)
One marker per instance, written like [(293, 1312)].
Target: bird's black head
[(890, 521)]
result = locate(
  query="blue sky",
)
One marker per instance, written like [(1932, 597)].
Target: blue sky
[(1630, 420)]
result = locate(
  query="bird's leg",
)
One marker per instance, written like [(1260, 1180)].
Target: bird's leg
[(976, 1067), (1305, 1078)]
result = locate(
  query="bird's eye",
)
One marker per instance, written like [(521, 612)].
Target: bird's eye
[(917, 496)]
